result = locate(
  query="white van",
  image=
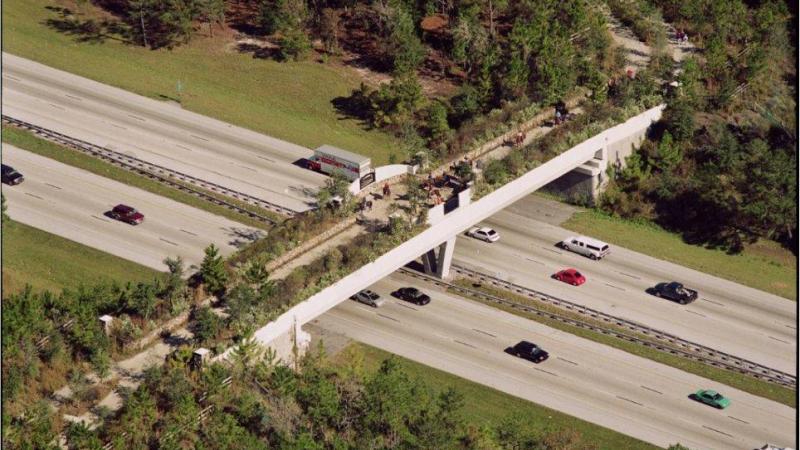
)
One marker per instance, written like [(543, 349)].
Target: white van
[(586, 246)]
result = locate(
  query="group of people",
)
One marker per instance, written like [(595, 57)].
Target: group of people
[(681, 36)]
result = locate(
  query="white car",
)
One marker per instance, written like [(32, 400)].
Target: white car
[(484, 233), (368, 297)]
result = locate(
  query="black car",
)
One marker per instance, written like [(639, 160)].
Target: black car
[(528, 350), (674, 291), (11, 176), (413, 295)]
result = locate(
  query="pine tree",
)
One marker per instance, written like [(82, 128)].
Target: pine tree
[(212, 271)]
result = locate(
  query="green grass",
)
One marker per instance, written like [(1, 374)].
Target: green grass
[(287, 100), (27, 141), (734, 379), (764, 265), (46, 261), (484, 405)]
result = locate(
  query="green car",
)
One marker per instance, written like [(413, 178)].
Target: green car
[(712, 398)]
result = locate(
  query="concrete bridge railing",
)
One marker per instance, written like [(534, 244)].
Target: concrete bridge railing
[(287, 327)]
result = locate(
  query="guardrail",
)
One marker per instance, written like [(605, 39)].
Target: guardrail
[(673, 344), (159, 173)]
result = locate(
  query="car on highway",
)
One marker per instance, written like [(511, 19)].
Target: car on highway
[(10, 176), (484, 234), (674, 291), (413, 295), (585, 246), (127, 214), (368, 297), (528, 350), (712, 398), (570, 276)]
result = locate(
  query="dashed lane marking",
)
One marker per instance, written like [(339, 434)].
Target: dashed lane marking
[(188, 232), (545, 371), (615, 287), (11, 78), (406, 306), (54, 186), (739, 420), (464, 343), (484, 332), (57, 107), (74, 98), (34, 195), (183, 147), (694, 312), (717, 431), (248, 168), (779, 340), (388, 317), (551, 250), (137, 118), (198, 137), (118, 126), (652, 390), (712, 301), (629, 400), (567, 361), (533, 260), (168, 241), (101, 218), (265, 158), (629, 275)]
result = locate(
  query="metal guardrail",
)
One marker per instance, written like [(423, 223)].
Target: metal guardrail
[(159, 173), (671, 344)]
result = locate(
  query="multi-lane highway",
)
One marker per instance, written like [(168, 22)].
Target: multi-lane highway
[(71, 203), (158, 132), (727, 316), (585, 379)]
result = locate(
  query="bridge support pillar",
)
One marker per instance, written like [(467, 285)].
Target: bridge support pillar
[(437, 261)]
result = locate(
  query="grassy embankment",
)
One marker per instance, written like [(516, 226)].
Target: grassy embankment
[(287, 100), (734, 379), (47, 261), (34, 144), (764, 265), (484, 405)]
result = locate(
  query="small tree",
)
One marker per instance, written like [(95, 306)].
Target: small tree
[(669, 153), (207, 324), (464, 171), (437, 122), (417, 196), (211, 12), (212, 271)]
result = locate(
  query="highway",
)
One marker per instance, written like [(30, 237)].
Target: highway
[(71, 203), (727, 316), (159, 132), (620, 391)]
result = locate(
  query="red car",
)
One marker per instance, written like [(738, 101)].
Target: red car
[(570, 276), (127, 214)]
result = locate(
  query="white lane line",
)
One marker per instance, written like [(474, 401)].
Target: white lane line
[(53, 186), (168, 242), (56, 107), (137, 117), (566, 360), (188, 232), (118, 126), (533, 260), (11, 78), (629, 275), (198, 137), (406, 306), (264, 157), (34, 195), (545, 371), (484, 332), (551, 250), (246, 167), (388, 317), (615, 287), (629, 400), (779, 340), (739, 420), (464, 343), (712, 301), (789, 326), (693, 312), (101, 218), (183, 147), (720, 432), (74, 98), (651, 389)]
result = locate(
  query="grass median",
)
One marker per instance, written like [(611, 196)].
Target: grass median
[(46, 261), (27, 141), (289, 100), (764, 265), (484, 405), (733, 379)]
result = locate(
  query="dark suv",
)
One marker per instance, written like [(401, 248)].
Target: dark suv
[(127, 214), (11, 176), (528, 350), (413, 295)]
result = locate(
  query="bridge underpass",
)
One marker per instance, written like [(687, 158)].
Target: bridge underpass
[(285, 334)]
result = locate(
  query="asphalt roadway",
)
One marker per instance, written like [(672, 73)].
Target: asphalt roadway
[(159, 132), (597, 383), (736, 319), (71, 203)]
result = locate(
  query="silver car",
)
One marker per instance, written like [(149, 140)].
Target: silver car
[(368, 297)]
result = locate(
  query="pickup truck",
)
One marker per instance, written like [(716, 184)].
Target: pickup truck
[(674, 291)]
